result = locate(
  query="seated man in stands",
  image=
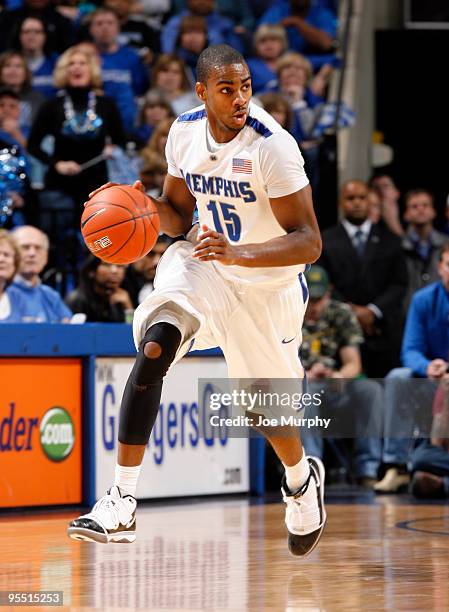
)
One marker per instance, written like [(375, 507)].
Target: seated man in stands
[(100, 295), (430, 461), (43, 304), (422, 242), (331, 350), (425, 350)]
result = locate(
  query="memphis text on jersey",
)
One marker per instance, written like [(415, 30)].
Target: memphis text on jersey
[(217, 186)]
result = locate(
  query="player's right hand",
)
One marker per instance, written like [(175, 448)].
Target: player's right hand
[(136, 185)]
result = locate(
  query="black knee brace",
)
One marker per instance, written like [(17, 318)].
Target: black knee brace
[(142, 395)]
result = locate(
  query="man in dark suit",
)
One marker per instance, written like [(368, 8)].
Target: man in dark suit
[(367, 268)]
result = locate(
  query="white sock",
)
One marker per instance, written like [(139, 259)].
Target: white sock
[(296, 475), (126, 478)]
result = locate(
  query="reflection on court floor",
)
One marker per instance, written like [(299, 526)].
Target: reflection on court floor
[(225, 554)]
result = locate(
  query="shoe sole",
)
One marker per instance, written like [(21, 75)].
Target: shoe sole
[(322, 474), (86, 535)]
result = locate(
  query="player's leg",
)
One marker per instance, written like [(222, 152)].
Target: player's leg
[(266, 320), (186, 291), (113, 516), (302, 488)]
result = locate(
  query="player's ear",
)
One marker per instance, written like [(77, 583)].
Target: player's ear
[(200, 91)]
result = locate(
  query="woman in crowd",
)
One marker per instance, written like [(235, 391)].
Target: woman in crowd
[(192, 40), (279, 109), (12, 305), (157, 141), (31, 41), (295, 84), (270, 42), (15, 74), (170, 80), (80, 122), (154, 110)]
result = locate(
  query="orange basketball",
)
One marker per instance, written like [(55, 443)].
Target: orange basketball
[(120, 224)]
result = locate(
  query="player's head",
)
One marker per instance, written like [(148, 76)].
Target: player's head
[(224, 85), (354, 201)]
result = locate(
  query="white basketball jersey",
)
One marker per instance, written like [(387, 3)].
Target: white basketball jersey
[(232, 183)]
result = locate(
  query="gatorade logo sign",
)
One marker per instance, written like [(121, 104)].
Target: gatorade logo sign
[(57, 434)]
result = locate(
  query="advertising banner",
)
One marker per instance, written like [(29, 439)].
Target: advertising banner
[(40, 432), (183, 456)]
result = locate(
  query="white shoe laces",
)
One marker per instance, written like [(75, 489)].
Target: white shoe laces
[(110, 511)]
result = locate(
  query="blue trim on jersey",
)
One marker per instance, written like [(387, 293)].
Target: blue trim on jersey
[(258, 127), (305, 291), (192, 116)]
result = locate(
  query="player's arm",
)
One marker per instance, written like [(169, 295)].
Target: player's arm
[(301, 244), (175, 206)]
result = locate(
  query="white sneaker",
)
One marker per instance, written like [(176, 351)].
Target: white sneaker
[(305, 515), (112, 519)]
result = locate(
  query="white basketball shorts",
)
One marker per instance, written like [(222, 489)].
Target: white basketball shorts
[(258, 328)]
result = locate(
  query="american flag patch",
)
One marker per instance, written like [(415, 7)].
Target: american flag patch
[(245, 166)]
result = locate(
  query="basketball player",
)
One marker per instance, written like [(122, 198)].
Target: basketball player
[(236, 286)]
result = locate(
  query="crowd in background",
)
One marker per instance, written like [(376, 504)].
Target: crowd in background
[(88, 91)]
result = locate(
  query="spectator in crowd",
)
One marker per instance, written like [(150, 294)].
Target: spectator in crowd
[(154, 110), (10, 128), (135, 33), (14, 74), (367, 268), (374, 207), (421, 242), (81, 121), (100, 295), (239, 13), (270, 42), (123, 73), (43, 304), (61, 33), (220, 29), (153, 174), (153, 12), (430, 460), (330, 349), (75, 11), (12, 305), (32, 43), (157, 141), (170, 80), (279, 109), (191, 41), (389, 196), (310, 29), (425, 354), (12, 145), (295, 83), (140, 274)]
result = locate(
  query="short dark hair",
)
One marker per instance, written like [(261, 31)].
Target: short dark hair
[(413, 192), (216, 56)]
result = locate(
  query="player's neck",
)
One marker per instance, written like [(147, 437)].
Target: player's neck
[(221, 134)]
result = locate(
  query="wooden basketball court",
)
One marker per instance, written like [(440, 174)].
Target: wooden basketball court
[(227, 554)]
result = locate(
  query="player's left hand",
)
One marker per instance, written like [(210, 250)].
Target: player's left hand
[(213, 246)]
